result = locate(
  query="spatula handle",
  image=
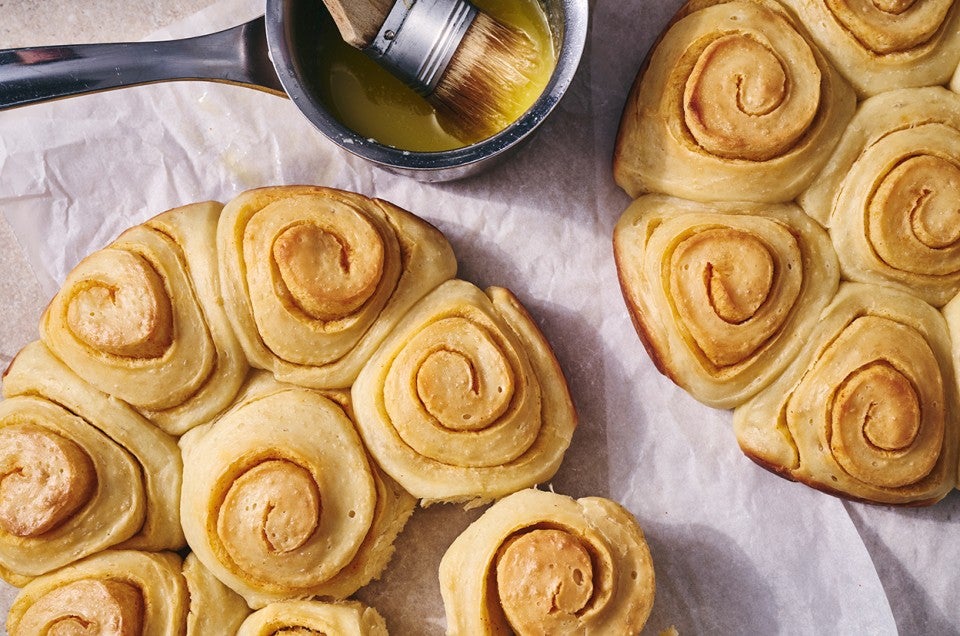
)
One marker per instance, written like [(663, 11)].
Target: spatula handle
[(38, 74)]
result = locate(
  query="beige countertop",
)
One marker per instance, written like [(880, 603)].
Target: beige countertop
[(74, 21)]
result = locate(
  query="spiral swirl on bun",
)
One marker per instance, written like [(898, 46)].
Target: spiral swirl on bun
[(882, 45), (734, 104), (722, 295), (142, 320), (317, 277), (280, 501), (79, 472), (542, 563), (465, 400), (891, 190), (868, 410)]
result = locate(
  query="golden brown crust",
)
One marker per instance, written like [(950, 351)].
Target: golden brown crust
[(145, 591), (734, 104), (314, 330), (780, 471), (133, 498), (722, 294), (465, 401), (888, 191), (880, 46), (640, 326), (887, 431), (142, 320), (331, 538), (539, 562)]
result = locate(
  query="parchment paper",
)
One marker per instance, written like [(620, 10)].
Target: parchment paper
[(736, 549)]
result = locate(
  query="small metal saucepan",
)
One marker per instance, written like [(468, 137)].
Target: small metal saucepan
[(275, 53)]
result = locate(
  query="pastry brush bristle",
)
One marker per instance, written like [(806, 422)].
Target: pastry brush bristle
[(480, 91)]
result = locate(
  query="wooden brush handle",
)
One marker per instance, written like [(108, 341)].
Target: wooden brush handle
[(359, 20)]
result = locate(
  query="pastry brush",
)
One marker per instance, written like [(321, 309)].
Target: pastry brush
[(469, 66)]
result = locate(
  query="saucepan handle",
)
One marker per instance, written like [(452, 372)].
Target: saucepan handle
[(236, 56)]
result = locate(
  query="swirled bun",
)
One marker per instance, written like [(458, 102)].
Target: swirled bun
[(723, 294), (884, 45), (541, 563), (317, 277), (346, 618), (142, 320), (735, 103), (868, 410), (79, 472), (465, 401), (280, 501), (890, 192), (113, 592)]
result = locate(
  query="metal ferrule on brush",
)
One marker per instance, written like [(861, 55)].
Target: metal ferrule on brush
[(419, 38)]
